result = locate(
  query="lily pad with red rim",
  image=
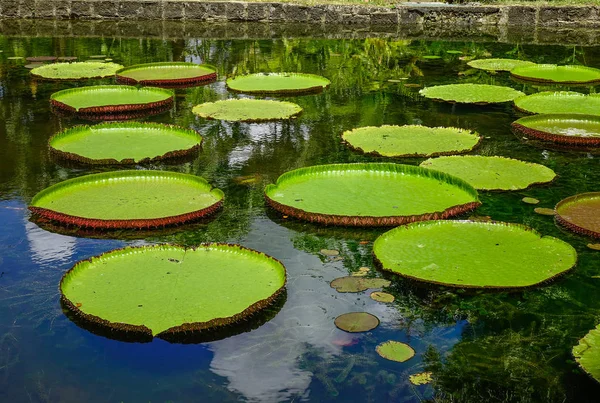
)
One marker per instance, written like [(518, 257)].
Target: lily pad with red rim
[(247, 110), (481, 94), (277, 83), (566, 129), (411, 140), (167, 74), (128, 199), (369, 194), (467, 254), (125, 143), (580, 213), (356, 322), (553, 74), (168, 290)]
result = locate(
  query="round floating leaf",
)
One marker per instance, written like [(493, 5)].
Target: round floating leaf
[(357, 284), (421, 378), (277, 83), (356, 322), (492, 173), (587, 353), (67, 58), (170, 74), (124, 143), (40, 59), (543, 211), (570, 130), (498, 64), (530, 200), (559, 102), (395, 351), (371, 194), (471, 93), (164, 290), (111, 99), (580, 213), (411, 140), (381, 296), (128, 199), (75, 71), (454, 52), (593, 246), (469, 254), (551, 73), (247, 110), (431, 57), (330, 252)]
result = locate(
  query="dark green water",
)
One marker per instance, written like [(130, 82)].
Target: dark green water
[(501, 347)]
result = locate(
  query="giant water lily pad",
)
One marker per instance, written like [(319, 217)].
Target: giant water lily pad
[(492, 173), (247, 110), (562, 102), (471, 93), (357, 284), (587, 353), (395, 351), (128, 199), (373, 194), (565, 129), (468, 254), (580, 213), (551, 73), (124, 143), (163, 290), (498, 64), (111, 99), (277, 83), (356, 322), (411, 140), (75, 71), (169, 74)]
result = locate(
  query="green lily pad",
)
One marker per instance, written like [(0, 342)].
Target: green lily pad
[(15, 58), (75, 71), (165, 289), (247, 110), (277, 83), (570, 130), (422, 378), (469, 254), (559, 102), (356, 322), (357, 284), (371, 194), (580, 213), (395, 351), (381, 296), (124, 143), (471, 93), (330, 252), (431, 57), (454, 52), (111, 99), (169, 74), (587, 353), (411, 140), (492, 173), (543, 211), (128, 199), (593, 246), (498, 64), (551, 73)]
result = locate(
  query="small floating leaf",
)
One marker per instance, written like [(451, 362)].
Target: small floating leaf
[(544, 211), (593, 246), (498, 64), (530, 200), (411, 140), (277, 83), (357, 284), (247, 110), (381, 296), (580, 213), (355, 322), (40, 59), (421, 378), (587, 353), (330, 252), (395, 351), (471, 93)]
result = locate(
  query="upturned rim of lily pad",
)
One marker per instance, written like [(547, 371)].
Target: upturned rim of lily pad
[(451, 93), (347, 140), (100, 111), (564, 220), (201, 78), (525, 127), (142, 332), (527, 73), (320, 84), (366, 220), (40, 72), (41, 210), (518, 102), (173, 154)]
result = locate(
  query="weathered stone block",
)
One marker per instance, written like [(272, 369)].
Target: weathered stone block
[(81, 9), (407, 16), (236, 11), (295, 13), (173, 10), (62, 9), (149, 10), (194, 10), (44, 9), (355, 19), (216, 11), (333, 14), (276, 13), (316, 14), (521, 15), (106, 9), (555, 16), (27, 8), (257, 11), (389, 18)]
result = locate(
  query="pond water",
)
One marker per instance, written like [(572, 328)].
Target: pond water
[(480, 346)]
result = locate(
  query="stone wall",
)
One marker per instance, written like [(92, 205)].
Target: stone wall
[(224, 11)]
